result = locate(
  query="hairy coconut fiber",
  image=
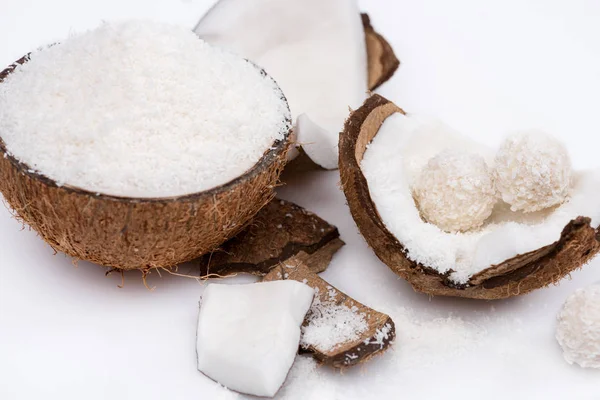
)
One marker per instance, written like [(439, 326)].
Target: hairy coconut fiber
[(279, 231), (128, 233), (375, 340), (578, 243)]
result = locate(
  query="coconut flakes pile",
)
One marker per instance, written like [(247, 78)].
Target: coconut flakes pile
[(140, 109), (393, 160), (331, 324)]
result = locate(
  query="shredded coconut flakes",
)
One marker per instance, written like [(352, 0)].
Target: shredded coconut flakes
[(331, 325), (140, 109)]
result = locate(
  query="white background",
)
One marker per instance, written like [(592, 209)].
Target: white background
[(69, 332)]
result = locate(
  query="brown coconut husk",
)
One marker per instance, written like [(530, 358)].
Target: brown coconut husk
[(381, 59), (578, 243), (129, 233), (279, 231), (351, 352)]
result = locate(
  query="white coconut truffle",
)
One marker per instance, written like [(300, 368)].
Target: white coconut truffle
[(532, 171), (455, 191), (578, 330)]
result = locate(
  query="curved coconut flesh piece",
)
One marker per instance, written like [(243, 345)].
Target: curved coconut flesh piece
[(316, 51), (279, 231), (578, 242), (130, 233), (378, 332)]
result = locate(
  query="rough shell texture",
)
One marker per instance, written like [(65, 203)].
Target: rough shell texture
[(130, 233), (278, 232), (578, 243)]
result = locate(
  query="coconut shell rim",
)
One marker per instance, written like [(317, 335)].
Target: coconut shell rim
[(277, 148), (487, 284)]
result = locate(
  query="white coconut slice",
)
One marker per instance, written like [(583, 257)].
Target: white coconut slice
[(314, 49), (248, 335)]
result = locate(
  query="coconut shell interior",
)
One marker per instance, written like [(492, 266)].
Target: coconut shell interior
[(352, 352), (279, 231), (129, 233), (578, 242)]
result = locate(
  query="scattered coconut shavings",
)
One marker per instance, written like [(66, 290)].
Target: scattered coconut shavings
[(330, 325), (305, 52), (398, 152), (380, 337), (279, 231), (140, 109), (338, 331)]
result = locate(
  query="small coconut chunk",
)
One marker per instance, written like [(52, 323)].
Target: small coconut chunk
[(578, 330), (248, 335), (320, 145), (455, 191), (533, 171)]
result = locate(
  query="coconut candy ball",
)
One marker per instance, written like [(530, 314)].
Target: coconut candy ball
[(455, 191), (532, 171), (578, 330)]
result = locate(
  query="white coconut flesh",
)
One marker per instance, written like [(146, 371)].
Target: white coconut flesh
[(393, 160), (140, 109), (248, 335), (314, 49)]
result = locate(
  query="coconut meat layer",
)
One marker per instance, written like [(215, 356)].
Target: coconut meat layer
[(248, 335), (314, 49), (392, 161), (140, 109)]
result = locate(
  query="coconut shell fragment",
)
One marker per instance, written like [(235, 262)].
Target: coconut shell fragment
[(374, 340), (381, 59), (579, 242), (281, 230)]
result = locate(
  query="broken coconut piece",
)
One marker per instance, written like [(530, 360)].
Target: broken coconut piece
[(115, 201), (380, 56), (338, 330), (248, 335), (316, 50), (513, 254), (279, 231)]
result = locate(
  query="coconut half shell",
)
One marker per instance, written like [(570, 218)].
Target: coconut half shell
[(578, 243), (129, 233)]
